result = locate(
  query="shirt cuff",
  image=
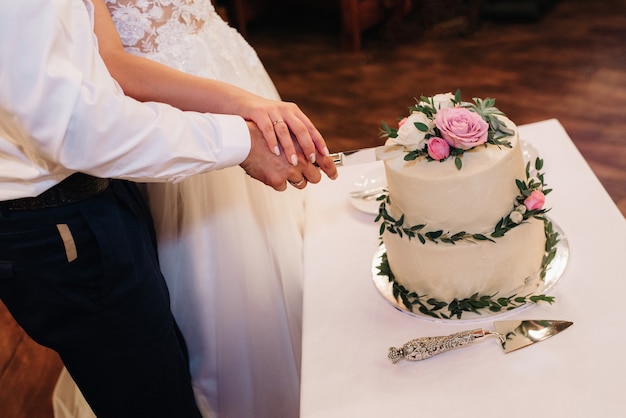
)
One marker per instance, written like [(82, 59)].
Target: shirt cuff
[(236, 142)]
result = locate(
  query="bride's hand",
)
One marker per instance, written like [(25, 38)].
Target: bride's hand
[(276, 171), (280, 122)]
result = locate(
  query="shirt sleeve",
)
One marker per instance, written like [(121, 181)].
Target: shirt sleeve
[(69, 113)]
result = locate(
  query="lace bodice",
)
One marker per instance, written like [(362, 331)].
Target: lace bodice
[(189, 35), (141, 23)]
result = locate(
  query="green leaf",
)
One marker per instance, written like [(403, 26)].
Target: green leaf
[(457, 96), (458, 163), (542, 298), (433, 235), (422, 127), (538, 163), (481, 237), (489, 102)]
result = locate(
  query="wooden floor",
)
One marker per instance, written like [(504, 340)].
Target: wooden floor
[(28, 372), (569, 65)]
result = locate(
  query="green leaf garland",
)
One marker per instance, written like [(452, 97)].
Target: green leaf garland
[(396, 226), (477, 304)]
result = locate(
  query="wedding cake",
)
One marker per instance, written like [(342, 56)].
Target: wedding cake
[(463, 221)]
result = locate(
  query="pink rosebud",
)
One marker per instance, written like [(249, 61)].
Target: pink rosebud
[(438, 148), (461, 128), (402, 122), (535, 201)]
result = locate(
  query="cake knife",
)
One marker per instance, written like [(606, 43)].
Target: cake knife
[(513, 335), (366, 155)]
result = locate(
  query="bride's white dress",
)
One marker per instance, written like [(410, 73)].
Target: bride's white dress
[(230, 247)]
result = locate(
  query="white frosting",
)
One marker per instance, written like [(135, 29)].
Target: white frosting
[(472, 200), (445, 271)]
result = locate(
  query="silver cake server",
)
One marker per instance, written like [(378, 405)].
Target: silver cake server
[(513, 335)]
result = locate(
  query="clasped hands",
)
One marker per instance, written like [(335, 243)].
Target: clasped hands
[(276, 167)]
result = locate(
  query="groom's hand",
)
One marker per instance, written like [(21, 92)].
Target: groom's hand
[(275, 171)]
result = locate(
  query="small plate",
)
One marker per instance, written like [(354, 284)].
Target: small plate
[(529, 152), (553, 274), (370, 180)]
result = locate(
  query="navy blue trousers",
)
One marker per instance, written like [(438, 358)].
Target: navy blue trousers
[(84, 280)]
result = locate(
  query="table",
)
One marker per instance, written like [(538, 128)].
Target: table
[(348, 326)]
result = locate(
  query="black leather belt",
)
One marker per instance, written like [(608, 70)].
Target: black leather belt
[(75, 188)]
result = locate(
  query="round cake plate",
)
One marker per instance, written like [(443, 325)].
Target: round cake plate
[(554, 272)]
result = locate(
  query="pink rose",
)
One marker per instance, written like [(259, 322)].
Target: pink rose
[(438, 148), (461, 128), (535, 201), (402, 122)]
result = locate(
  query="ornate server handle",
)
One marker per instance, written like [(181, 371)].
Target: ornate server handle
[(426, 347)]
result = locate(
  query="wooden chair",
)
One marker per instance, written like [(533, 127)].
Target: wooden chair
[(356, 15), (243, 11), (359, 15)]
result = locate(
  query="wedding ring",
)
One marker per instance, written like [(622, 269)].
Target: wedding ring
[(277, 122), (299, 183)]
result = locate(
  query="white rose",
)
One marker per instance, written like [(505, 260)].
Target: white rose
[(408, 135), (516, 217), (443, 100)]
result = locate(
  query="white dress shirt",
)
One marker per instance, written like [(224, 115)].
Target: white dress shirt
[(61, 112)]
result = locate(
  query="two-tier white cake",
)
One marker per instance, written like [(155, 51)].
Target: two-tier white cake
[(463, 221)]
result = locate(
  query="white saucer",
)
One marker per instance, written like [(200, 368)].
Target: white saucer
[(529, 152), (371, 180)]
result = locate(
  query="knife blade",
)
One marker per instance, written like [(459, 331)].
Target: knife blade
[(513, 335), (367, 155)]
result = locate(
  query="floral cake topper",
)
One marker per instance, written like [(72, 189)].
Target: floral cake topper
[(443, 126)]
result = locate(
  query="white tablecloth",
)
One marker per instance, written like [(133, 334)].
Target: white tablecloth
[(348, 326)]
